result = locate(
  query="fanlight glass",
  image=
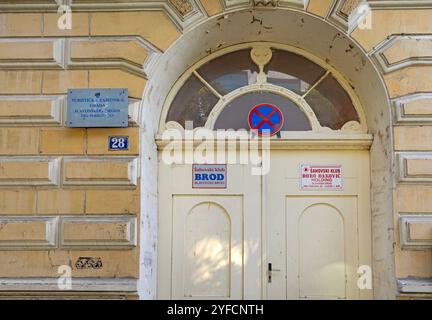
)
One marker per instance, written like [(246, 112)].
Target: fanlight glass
[(332, 104), (295, 119), (193, 102), (293, 72), (211, 82), (230, 72)]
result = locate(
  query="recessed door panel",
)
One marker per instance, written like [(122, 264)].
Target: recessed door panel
[(321, 247), (321, 239), (207, 247), (208, 252)]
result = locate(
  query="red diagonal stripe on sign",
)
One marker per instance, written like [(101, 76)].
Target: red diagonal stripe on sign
[(265, 119)]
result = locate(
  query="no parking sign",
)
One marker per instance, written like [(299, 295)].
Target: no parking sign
[(266, 119)]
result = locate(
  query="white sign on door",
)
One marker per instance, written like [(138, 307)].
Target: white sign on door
[(321, 177), (209, 176)]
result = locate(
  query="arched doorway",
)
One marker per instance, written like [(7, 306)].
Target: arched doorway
[(294, 230), (365, 84)]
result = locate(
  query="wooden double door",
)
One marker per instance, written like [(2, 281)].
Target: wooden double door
[(266, 237)]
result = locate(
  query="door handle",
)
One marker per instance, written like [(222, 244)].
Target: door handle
[(270, 271)]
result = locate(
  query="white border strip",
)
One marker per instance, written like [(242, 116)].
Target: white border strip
[(78, 284), (414, 285)]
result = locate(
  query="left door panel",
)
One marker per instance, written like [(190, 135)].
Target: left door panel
[(207, 247), (209, 242)]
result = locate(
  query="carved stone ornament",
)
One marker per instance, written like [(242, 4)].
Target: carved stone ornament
[(349, 6), (182, 6), (265, 3), (261, 55)]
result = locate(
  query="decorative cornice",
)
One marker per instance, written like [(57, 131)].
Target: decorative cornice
[(299, 141), (181, 21), (186, 13)]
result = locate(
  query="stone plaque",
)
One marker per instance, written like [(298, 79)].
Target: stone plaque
[(105, 108)]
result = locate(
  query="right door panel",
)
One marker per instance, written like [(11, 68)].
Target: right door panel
[(316, 239), (321, 247)]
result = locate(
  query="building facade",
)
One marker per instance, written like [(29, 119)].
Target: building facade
[(351, 83)]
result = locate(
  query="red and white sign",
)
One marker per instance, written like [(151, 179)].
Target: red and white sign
[(321, 177)]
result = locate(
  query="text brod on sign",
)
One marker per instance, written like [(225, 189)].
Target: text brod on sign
[(209, 176)]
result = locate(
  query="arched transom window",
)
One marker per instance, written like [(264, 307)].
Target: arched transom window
[(220, 92)]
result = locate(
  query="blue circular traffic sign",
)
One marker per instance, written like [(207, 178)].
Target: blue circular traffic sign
[(266, 119)]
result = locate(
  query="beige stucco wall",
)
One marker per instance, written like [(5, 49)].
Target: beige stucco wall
[(56, 183)]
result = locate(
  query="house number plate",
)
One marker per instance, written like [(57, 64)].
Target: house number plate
[(118, 143)]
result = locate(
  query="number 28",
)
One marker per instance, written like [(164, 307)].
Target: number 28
[(118, 143)]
